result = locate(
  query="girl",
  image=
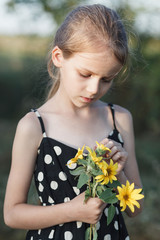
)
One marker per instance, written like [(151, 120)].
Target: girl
[(90, 49)]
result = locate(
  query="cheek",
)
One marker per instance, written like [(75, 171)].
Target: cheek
[(104, 89)]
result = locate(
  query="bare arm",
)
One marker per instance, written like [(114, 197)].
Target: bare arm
[(126, 158), (19, 214)]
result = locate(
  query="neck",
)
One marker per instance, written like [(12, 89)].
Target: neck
[(62, 104)]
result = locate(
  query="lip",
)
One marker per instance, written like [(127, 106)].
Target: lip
[(86, 99)]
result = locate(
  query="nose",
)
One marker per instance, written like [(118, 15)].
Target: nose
[(93, 85)]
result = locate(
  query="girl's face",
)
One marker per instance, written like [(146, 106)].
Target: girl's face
[(86, 77)]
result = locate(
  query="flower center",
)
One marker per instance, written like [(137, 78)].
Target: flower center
[(109, 171), (126, 197)]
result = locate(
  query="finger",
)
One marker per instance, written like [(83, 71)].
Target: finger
[(120, 155), (121, 166), (116, 149), (112, 143), (104, 141), (109, 144)]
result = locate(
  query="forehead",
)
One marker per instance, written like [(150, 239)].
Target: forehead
[(101, 62)]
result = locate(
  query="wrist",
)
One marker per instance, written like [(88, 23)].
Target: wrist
[(121, 177), (70, 212)]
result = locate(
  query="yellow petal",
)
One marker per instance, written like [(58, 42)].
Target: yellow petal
[(131, 206), (134, 202)]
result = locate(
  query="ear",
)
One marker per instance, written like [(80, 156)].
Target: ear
[(57, 56)]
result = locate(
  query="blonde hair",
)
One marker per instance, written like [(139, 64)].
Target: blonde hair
[(84, 28)]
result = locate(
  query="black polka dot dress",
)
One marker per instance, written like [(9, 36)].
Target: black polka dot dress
[(55, 185)]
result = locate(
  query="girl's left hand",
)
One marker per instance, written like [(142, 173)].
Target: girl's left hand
[(118, 153)]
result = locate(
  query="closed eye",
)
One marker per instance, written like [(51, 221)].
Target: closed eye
[(106, 80), (85, 76)]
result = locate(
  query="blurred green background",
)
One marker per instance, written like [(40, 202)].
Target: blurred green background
[(23, 78)]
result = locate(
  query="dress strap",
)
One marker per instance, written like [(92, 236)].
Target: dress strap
[(41, 121), (113, 114)]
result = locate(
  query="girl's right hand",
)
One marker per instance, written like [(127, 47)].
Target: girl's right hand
[(89, 212)]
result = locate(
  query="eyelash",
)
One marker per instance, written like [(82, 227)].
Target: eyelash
[(105, 80), (85, 76)]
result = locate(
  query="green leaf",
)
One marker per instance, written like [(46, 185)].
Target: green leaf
[(111, 213), (105, 194), (77, 171), (108, 196), (96, 172), (114, 184), (87, 233), (82, 161), (112, 199), (99, 190), (83, 179)]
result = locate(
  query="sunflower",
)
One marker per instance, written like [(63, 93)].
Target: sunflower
[(101, 149), (94, 156), (109, 172), (128, 196), (79, 155)]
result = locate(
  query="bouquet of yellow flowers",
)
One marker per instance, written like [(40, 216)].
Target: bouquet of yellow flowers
[(98, 171)]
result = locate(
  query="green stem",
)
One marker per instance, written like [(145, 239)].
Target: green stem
[(90, 232), (90, 190), (94, 189)]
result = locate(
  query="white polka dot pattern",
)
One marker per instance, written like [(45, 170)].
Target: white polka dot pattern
[(58, 150), (40, 176), (116, 225), (72, 166), (62, 176), (97, 225), (79, 224), (52, 173), (67, 199), (48, 159), (68, 235), (106, 212), (51, 234), (117, 211), (50, 200), (61, 225), (111, 133), (76, 190), (107, 237), (40, 187), (127, 238), (54, 185), (120, 138)]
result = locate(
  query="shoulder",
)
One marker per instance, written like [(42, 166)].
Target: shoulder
[(122, 112), (29, 128), (123, 117)]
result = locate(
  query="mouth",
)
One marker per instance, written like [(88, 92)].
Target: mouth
[(86, 99)]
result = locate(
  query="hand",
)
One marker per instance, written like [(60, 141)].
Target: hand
[(89, 212), (118, 153)]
